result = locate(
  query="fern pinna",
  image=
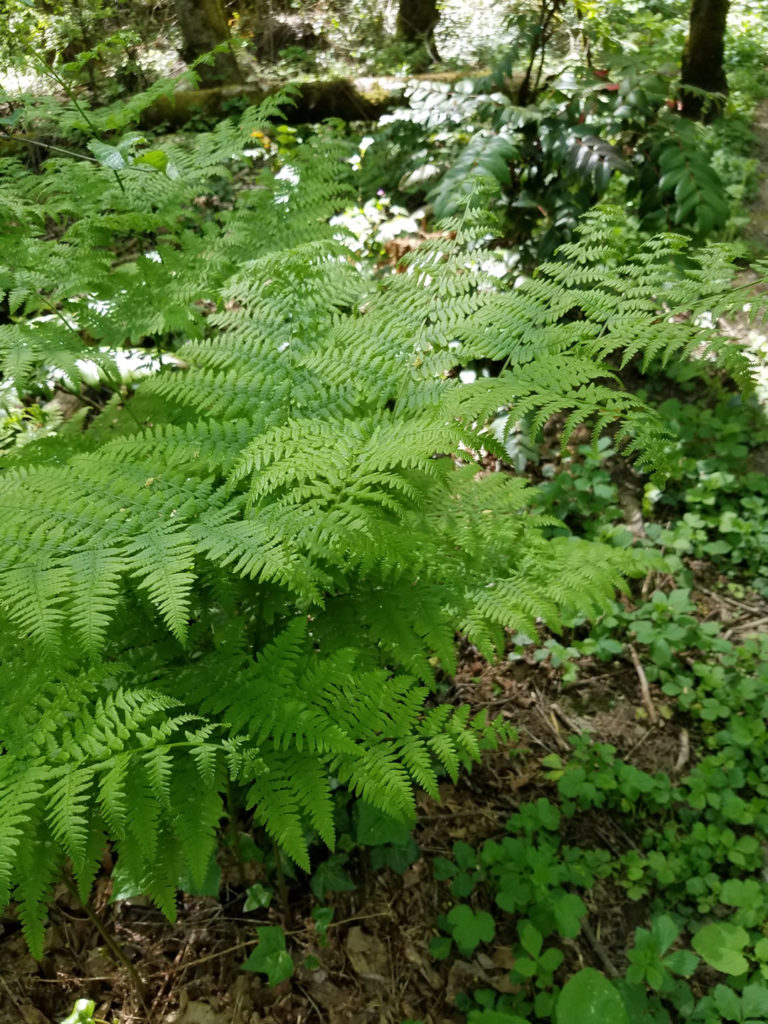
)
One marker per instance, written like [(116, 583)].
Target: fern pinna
[(246, 571)]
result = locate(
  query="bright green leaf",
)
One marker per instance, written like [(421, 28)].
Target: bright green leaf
[(720, 945), (590, 998)]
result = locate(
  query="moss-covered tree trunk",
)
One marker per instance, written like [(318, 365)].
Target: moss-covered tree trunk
[(702, 65), (416, 22), (203, 26)]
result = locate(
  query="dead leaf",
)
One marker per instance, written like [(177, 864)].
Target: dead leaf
[(367, 954), (198, 1012), (326, 994), (31, 1014), (504, 957), (463, 977)]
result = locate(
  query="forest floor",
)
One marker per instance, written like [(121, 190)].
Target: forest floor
[(373, 965)]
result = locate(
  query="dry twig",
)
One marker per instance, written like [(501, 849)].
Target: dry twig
[(685, 752), (645, 690), (599, 949)]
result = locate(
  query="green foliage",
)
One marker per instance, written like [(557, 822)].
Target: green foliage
[(597, 116), (469, 928), (721, 945), (83, 1013), (694, 855), (716, 492), (650, 959), (589, 133), (589, 996), (270, 956), (244, 571)]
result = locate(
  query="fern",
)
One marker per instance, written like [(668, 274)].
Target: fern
[(244, 572)]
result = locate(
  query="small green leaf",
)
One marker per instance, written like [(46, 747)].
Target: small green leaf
[(322, 916), (551, 959), (82, 1013), (737, 892), (754, 1001), (443, 869), (330, 876), (440, 947), (493, 1017), (525, 967), (681, 962), (531, 938), (462, 886), (568, 909), (257, 896), (374, 827), (665, 931), (465, 855), (154, 158), (469, 929), (589, 998), (108, 156), (270, 956)]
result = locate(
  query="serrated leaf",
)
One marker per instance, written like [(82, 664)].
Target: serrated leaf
[(665, 931)]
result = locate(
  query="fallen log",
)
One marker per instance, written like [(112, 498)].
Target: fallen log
[(359, 99)]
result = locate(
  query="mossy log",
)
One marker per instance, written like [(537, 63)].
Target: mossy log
[(361, 99)]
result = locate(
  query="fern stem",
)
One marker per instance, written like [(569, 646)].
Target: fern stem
[(233, 834), (36, 59), (113, 946), (282, 887), (57, 312), (49, 146), (132, 414)]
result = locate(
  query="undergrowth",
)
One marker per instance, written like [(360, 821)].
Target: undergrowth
[(684, 844)]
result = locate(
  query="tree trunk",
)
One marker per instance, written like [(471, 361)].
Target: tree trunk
[(416, 21), (702, 65), (203, 26)]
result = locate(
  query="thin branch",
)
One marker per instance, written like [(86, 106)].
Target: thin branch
[(600, 951)]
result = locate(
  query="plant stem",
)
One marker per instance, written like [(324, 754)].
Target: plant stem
[(113, 946), (282, 888), (233, 833)]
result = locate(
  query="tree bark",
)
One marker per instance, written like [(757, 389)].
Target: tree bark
[(416, 22), (203, 26), (702, 65)]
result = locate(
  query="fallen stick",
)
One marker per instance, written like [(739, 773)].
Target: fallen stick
[(645, 690), (685, 752)]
